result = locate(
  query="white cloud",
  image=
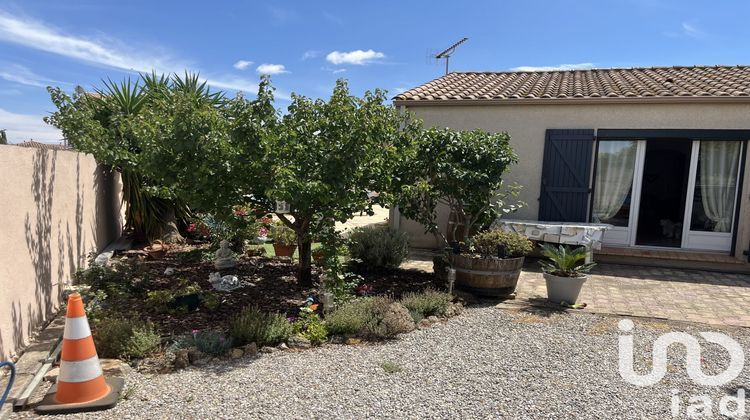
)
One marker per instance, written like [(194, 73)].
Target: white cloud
[(310, 54), (579, 66), (687, 30), (108, 53), (271, 69), (242, 64), (356, 57), (22, 127), (17, 73), (337, 71), (37, 35)]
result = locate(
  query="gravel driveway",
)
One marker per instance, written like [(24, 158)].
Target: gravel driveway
[(487, 363)]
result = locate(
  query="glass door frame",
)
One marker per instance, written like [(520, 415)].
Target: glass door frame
[(691, 240), (703, 240)]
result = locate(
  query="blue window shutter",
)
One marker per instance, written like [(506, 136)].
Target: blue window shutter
[(566, 173)]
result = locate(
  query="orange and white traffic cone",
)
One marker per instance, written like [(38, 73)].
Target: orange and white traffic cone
[(81, 385)]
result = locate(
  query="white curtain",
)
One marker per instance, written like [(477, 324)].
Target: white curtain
[(614, 177), (718, 181)]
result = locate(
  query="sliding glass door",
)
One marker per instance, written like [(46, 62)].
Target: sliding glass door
[(613, 188), (712, 194), (651, 199)]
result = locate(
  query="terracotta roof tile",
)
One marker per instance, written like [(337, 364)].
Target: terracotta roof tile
[(46, 146), (632, 83)]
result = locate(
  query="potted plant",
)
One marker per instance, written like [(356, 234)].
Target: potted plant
[(565, 272), (493, 263), (284, 239), (157, 250)]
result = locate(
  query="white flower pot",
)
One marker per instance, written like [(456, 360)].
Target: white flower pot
[(563, 289)]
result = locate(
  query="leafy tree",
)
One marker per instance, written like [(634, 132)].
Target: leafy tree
[(461, 169), (329, 156), (3, 137), (105, 123)]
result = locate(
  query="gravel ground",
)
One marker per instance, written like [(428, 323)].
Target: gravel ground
[(487, 363)]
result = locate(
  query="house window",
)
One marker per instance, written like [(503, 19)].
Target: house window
[(614, 182)]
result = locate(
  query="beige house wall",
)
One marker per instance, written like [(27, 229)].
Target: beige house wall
[(55, 208), (527, 125)]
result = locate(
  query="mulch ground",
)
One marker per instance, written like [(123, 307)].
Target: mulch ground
[(268, 283)]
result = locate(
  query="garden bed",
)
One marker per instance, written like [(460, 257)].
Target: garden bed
[(266, 282)]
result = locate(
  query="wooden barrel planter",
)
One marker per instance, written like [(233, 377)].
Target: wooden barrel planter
[(487, 276)]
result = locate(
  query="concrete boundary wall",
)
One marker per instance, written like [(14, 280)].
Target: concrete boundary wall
[(56, 207)]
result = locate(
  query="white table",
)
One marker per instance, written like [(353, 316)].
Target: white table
[(583, 234)]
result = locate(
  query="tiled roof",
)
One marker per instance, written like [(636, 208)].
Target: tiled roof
[(45, 146), (571, 85)]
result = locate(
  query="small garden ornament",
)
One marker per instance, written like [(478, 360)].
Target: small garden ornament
[(225, 283), (224, 257)]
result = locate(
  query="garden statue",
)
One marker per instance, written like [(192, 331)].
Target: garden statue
[(224, 256), (223, 284)]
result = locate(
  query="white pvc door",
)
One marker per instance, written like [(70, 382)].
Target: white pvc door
[(616, 188), (712, 194)]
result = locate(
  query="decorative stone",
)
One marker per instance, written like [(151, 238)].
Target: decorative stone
[(201, 362), (397, 319), (424, 323), (194, 355), (251, 350), (282, 346), (169, 271), (454, 310), (237, 353), (181, 359), (267, 349), (337, 339), (353, 341), (298, 342), (433, 319), (224, 257)]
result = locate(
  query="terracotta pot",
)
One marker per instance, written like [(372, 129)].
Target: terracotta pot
[(486, 276), (563, 289), (317, 256), (282, 250), (157, 250)]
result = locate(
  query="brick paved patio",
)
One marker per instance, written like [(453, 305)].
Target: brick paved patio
[(681, 295)]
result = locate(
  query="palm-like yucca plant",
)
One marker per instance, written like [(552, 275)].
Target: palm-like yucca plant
[(565, 261), (192, 85)]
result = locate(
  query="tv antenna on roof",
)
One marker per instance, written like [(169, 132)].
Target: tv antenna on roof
[(446, 53)]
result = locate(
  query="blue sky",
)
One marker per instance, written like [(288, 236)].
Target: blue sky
[(307, 45)]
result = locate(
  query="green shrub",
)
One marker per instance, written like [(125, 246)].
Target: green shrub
[(352, 317), (254, 326), (498, 243), (378, 247), (310, 326), (144, 340), (124, 338), (211, 342), (427, 303), (365, 317)]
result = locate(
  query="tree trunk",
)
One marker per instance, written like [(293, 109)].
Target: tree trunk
[(169, 228), (304, 272)]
